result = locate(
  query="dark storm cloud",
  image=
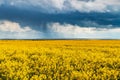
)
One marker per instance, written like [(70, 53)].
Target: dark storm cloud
[(39, 20), (59, 19), (61, 6)]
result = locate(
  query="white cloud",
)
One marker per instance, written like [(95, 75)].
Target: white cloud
[(14, 30), (74, 31), (66, 5), (10, 29), (8, 26)]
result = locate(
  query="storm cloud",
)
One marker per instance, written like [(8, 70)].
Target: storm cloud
[(58, 6), (47, 19)]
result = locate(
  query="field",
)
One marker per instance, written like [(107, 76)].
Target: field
[(60, 60)]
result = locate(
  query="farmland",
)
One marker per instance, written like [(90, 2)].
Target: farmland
[(59, 59)]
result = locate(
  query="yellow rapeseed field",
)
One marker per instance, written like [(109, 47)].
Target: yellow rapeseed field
[(59, 60)]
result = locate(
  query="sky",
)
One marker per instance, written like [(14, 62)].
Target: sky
[(59, 19)]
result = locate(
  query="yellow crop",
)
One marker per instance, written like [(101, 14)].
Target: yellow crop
[(60, 60)]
